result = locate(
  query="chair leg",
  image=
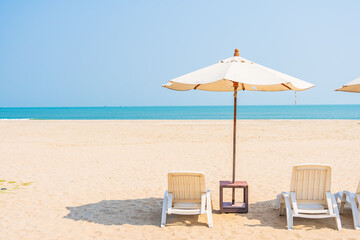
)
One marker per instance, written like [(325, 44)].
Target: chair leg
[(164, 208), (209, 209), (333, 208), (289, 219), (289, 216), (357, 227), (350, 197), (355, 212), (357, 196), (278, 201), (337, 213), (280, 204), (338, 222), (209, 217), (342, 205), (337, 218)]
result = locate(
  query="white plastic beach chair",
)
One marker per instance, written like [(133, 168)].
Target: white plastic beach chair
[(353, 199), (186, 195), (309, 195)]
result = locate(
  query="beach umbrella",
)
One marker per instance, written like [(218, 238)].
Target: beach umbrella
[(353, 86), (237, 74)]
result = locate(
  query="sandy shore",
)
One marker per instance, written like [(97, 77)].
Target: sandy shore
[(106, 179)]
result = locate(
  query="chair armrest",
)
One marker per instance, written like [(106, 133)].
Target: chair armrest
[(349, 196), (339, 197), (285, 195)]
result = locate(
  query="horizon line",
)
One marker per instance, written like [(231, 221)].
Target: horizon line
[(120, 106)]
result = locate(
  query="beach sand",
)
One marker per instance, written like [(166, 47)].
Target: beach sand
[(105, 179)]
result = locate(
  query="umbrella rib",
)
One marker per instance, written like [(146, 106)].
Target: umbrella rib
[(286, 86), (243, 86), (196, 86)]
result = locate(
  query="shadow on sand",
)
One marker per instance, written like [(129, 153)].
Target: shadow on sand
[(143, 211), (147, 211), (268, 216)]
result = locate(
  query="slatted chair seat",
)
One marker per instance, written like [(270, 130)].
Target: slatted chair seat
[(187, 205)]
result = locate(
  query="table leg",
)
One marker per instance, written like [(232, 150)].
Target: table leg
[(233, 196), (246, 198), (221, 199)]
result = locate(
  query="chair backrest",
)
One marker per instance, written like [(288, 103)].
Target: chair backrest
[(186, 186), (310, 182)]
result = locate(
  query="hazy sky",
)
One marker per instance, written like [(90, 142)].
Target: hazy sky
[(119, 53)]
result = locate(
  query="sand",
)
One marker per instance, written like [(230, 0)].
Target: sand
[(106, 179)]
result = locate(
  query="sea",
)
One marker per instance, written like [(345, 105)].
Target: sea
[(186, 112)]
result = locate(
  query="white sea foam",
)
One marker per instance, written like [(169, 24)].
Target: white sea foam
[(5, 119)]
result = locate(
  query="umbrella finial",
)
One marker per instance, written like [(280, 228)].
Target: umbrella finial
[(236, 54)]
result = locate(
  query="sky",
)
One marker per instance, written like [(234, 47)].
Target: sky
[(119, 53)]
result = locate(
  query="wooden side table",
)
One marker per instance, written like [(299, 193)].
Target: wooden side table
[(237, 207)]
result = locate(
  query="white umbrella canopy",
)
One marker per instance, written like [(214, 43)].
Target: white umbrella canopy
[(353, 86), (240, 73)]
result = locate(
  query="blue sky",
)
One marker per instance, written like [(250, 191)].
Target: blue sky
[(119, 53)]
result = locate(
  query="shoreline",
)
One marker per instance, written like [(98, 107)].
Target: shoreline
[(187, 113), (185, 120)]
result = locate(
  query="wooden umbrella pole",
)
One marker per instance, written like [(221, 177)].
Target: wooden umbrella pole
[(234, 137), (235, 84), (234, 141)]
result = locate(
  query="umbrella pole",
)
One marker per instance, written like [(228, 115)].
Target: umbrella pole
[(234, 146)]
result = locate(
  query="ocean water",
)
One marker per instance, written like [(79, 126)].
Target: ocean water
[(187, 112)]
